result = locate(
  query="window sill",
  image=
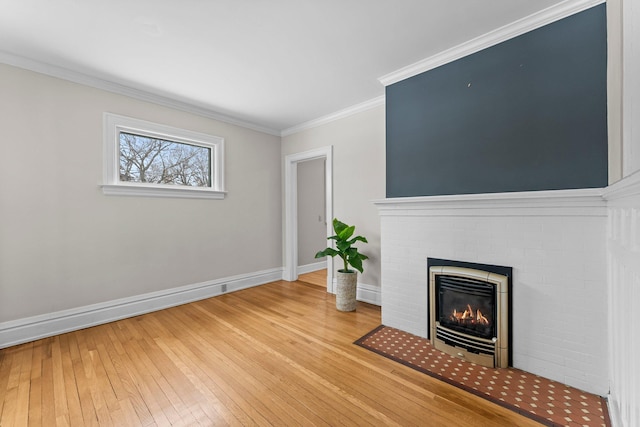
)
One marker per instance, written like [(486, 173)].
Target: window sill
[(161, 191)]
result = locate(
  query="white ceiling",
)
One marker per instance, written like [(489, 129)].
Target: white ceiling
[(273, 64)]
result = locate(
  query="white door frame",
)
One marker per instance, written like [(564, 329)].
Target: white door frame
[(291, 209)]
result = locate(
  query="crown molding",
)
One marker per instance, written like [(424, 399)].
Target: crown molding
[(349, 111), (509, 31), (121, 89)]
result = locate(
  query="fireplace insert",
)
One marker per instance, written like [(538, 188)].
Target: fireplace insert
[(466, 305), (469, 314)]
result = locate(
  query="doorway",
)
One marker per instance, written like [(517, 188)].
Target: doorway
[(312, 225), (291, 209)]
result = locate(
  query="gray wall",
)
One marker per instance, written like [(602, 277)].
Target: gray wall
[(63, 244), (358, 174), (312, 226), (527, 114)]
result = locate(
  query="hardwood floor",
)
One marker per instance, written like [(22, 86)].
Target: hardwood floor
[(318, 278), (278, 354)]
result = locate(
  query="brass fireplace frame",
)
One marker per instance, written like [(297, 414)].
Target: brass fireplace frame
[(497, 349)]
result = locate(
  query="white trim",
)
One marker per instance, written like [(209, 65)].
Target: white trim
[(158, 190), (149, 95), (581, 202), (310, 268), (33, 328), (156, 97), (369, 294), (626, 187), (291, 205), (492, 38), (614, 412), (366, 293), (630, 87), (113, 124), (623, 253), (341, 114)]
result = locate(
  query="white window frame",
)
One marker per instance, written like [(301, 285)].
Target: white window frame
[(114, 124)]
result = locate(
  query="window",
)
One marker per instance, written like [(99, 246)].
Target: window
[(148, 159)]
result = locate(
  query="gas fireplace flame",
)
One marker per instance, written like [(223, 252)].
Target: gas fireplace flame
[(480, 318), (469, 316)]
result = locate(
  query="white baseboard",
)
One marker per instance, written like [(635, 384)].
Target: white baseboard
[(32, 328), (369, 294), (365, 293), (309, 268), (614, 412)]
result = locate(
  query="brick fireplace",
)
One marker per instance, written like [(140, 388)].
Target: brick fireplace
[(553, 240)]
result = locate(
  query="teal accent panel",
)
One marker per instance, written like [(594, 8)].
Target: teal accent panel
[(527, 114)]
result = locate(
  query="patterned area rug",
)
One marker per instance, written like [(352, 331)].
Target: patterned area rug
[(548, 402)]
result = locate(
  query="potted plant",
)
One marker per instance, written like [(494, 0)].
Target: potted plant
[(347, 278)]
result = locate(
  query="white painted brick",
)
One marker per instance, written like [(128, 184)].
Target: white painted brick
[(624, 295), (541, 367), (559, 288)]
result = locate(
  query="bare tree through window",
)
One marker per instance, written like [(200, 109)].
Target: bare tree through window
[(159, 161)]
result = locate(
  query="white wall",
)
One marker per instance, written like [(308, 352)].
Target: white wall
[(623, 235), (359, 175), (630, 86), (312, 228), (63, 244), (623, 244), (614, 88)]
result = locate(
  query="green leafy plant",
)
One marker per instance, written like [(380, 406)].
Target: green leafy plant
[(344, 247)]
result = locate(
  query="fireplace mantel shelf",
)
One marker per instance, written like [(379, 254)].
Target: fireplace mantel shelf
[(583, 202)]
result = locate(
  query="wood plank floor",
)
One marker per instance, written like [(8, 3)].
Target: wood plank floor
[(278, 354), (318, 278)]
